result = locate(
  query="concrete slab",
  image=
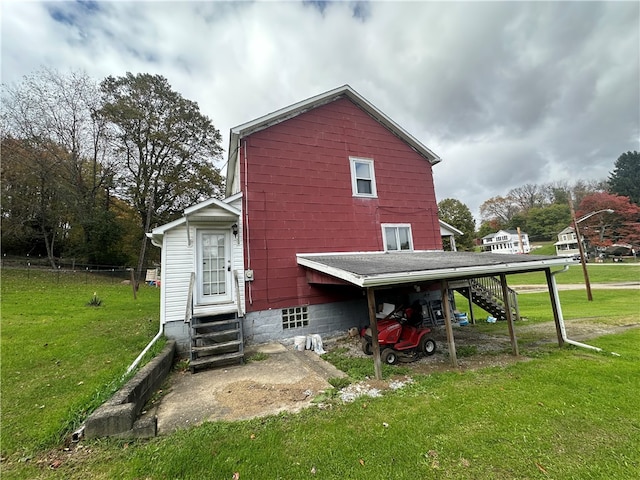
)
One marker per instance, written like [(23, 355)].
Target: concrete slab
[(286, 381)]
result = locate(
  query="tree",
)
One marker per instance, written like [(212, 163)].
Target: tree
[(487, 227), (458, 215), (625, 178), (604, 229), (166, 146), (546, 222), (527, 196), (55, 115), (499, 209), (33, 211)]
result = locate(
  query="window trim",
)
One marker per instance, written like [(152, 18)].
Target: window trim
[(396, 226), (353, 161)]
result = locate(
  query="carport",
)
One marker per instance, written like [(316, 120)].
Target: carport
[(376, 270)]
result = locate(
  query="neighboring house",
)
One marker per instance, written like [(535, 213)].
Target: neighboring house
[(449, 232), (506, 242), (567, 244), (330, 210)]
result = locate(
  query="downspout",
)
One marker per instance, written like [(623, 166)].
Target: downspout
[(160, 329), (246, 212), (563, 331), (146, 349)]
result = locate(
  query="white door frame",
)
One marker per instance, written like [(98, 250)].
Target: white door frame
[(205, 296)]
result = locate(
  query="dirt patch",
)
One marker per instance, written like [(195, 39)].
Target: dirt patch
[(475, 349)]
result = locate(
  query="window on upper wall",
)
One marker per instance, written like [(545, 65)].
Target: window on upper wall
[(397, 237), (363, 178)]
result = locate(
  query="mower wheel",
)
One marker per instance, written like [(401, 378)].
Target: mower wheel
[(427, 346), (367, 348), (389, 356)]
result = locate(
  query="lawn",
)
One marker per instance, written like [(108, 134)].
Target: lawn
[(598, 273), (564, 413), (60, 357)]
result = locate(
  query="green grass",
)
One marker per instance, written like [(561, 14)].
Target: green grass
[(570, 414), (62, 358), (543, 248), (564, 414), (598, 273)]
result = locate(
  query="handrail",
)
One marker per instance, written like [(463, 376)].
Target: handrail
[(237, 279), (493, 286), (189, 313)]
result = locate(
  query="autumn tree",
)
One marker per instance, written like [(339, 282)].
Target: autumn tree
[(603, 228), (166, 145), (55, 116), (498, 209), (624, 180), (527, 196), (458, 215), (33, 207)]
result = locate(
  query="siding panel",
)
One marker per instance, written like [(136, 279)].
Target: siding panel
[(300, 198)]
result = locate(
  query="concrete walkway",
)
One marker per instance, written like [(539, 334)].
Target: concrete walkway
[(286, 381)]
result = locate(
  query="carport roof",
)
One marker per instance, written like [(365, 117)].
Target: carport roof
[(375, 269)]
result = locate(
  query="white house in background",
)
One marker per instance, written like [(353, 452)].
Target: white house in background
[(567, 244), (448, 231), (506, 241)]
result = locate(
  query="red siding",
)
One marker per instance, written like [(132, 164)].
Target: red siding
[(299, 198)]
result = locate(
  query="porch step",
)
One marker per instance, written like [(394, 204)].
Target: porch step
[(215, 324), (218, 334), (216, 347), (488, 296), (215, 340), (216, 361)]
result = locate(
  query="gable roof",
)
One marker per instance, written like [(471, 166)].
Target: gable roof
[(197, 212), (345, 91), (510, 232), (445, 228)]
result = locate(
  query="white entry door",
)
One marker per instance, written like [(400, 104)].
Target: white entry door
[(214, 267)]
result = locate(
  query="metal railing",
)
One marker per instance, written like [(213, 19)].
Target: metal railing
[(189, 312), (493, 288)]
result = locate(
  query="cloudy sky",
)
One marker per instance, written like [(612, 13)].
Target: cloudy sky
[(506, 93)]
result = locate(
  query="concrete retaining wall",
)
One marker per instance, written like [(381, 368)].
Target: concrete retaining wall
[(118, 416)]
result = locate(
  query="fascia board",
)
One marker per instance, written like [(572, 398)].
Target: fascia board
[(334, 272), (409, 277), (451, 228), (296, 109), (207, 203), (366, 281)]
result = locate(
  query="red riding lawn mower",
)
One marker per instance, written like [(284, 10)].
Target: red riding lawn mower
[(400, 336)]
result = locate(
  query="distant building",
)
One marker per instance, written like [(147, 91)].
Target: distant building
[(567, 244), (506, 241)]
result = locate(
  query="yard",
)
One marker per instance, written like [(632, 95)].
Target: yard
[(559, 413)]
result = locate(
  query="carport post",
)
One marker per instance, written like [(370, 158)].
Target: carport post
[(507, 312), (552, 295), (446, 307), (373, 321)]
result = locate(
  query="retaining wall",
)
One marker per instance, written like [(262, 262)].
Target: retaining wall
[(119, 416)]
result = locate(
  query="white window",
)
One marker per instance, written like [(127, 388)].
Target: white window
[(363, 178), (397, 237)]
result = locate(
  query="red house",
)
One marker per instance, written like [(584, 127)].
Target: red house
[(329, 175)]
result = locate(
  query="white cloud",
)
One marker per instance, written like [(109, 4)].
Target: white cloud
[(506, 93)]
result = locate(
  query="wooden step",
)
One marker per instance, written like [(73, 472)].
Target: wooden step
[(217, 323), (214, 335), (214, 346), (216, 360)]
